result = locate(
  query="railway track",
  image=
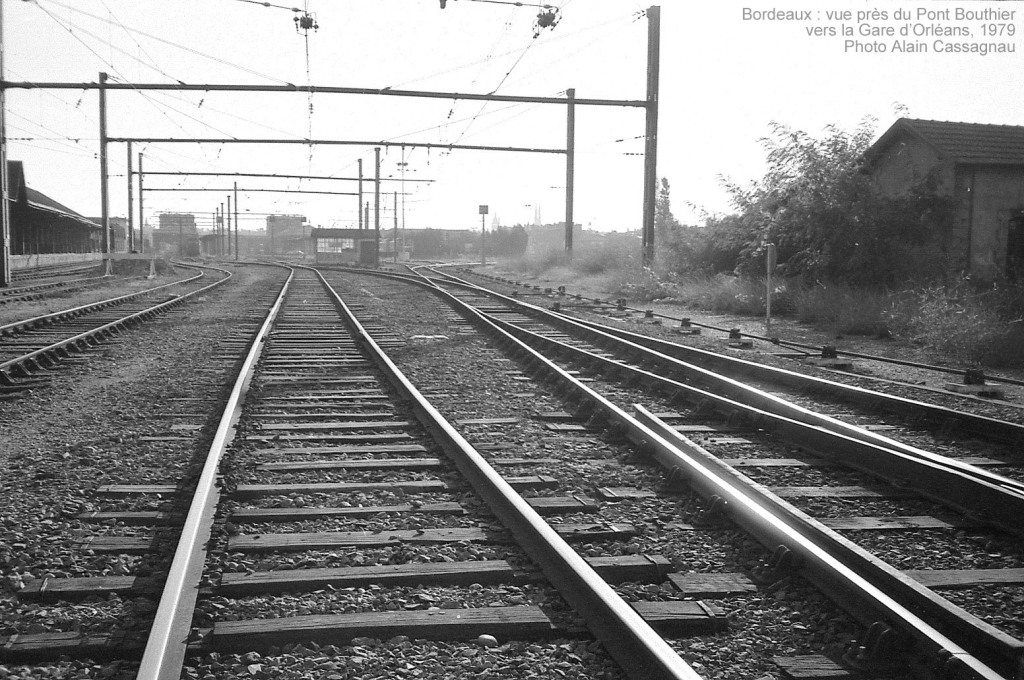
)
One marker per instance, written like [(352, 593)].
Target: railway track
[(342, 542), (619, 311), (135, 413), (406, 547), (55, 271), (43, 290), (30, 347), (733, 431)]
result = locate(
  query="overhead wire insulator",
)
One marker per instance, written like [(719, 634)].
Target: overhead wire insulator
[(305, 22), (547, 18)]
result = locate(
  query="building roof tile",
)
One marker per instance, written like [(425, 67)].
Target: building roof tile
[(969, 143)]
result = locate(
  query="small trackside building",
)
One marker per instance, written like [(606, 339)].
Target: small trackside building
[(345, 246), (981, 167)]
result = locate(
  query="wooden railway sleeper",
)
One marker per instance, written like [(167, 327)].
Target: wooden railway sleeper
[(855, 593), (931, 466), (980, 426)]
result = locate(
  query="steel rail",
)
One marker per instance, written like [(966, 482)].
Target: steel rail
[(867, 601), (640, 651), (751, 397), (167, 644), (794, 344), (992, 498), (36, 321), (998, 647), (982, 426), (979, 425), (851, 589), (51, 271), (21, 366), (20, 292)]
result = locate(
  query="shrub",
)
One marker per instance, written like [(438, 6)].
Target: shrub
[(605, 257), (538, 263), (640, 284), (971, 325), (724, 293), (842, 308)]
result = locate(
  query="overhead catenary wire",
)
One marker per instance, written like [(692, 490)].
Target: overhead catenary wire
[(83, 153), (549, 41), (128, 54), (171, 43), (144, 95), (53, 95), (498, 87), (229, 114), (270, 4), (566, 55), (471, 130), (112, 67), (142, 49)]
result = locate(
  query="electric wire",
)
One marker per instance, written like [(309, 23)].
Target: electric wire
[(153, 65), (207, 107), (551, 39), (145, 94), (530, 107), (565, 56), (76, 140), (150, 99), (471, 119), (112, 67), (50, 93), (173, 44), (62, 141), (269, 4), (498, 87), (506, 28), (71, 152)]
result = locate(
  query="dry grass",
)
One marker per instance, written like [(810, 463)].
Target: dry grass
[(968, 323)]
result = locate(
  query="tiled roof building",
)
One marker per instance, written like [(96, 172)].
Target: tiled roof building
[(982, 168)]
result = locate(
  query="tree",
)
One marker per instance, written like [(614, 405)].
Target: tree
[(510, 241), (668, 234), (664, 221), (823, 214)]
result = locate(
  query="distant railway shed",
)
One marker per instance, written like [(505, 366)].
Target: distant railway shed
[(344, 246), (41, 225)]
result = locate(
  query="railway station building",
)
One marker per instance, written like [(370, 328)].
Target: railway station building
[(981, 167), (41, 225)]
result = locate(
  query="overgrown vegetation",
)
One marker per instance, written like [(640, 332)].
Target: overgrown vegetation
[(820, 210), (849, 259)]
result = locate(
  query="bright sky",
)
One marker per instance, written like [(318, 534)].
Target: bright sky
[(724, 78)]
